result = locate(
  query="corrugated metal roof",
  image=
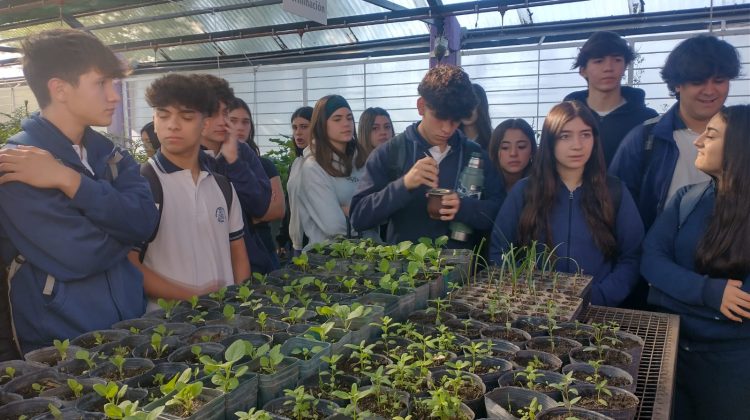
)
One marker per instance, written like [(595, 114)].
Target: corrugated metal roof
[(274, 15)]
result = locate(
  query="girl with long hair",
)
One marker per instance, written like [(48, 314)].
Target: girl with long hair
[(242, 126), (291, 235), (331, 173), (478, 127), (696, 257), (569, 205), (375, 128), (512, 149)]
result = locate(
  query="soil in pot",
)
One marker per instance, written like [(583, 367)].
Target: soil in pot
[(562, 413), (581, 333), (16, 368), (514, 335), (619, 401), (421, 411), (387, 403), (130, 369), (93, 339), (540, 384), (50, 356), (430, 318), (558, 346), (583, 372), (467, 327), (321, 410), (28, 408), (611, 357), (210, 334), (547, 361)]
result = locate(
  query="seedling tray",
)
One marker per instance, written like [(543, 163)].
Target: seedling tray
[(655, 381)]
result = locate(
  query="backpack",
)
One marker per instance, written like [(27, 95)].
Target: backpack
[(648, 141), (148, 172)]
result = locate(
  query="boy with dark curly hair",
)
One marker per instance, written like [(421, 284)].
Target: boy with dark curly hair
[(431, 153)]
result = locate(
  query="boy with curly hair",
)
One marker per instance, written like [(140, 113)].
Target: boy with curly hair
[(431, 153)]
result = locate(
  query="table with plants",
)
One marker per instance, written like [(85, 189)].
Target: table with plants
[(360, 330)]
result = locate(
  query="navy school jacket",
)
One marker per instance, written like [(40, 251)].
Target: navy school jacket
[(82, 242), (613, 280), (668, 264), (381, 197)]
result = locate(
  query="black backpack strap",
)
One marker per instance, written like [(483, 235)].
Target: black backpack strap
[(226, 189), (148, 172), (648, 142)]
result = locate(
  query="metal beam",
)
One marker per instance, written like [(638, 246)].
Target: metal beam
[(407, 15), (385, 4), (71, 21), (436, 6)]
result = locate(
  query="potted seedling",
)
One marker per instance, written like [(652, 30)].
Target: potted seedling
[(186, 399), (354, 396), (384, 401), (109, 393), (276, 372), (297, 404), (442, 405)]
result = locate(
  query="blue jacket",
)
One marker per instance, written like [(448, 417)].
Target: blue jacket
[(613, 281), (668, 264), (83, 242), (614, 126), (254, 192), (650, 185), (379, 199)]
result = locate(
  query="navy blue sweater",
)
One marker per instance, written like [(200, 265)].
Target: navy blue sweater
[(83, 242), (379, 198), (613, 281), (614, 126), (669, 266), (254, 192)]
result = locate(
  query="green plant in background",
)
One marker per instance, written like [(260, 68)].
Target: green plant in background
[(294, 316), (363, 354), (13, 125), (282, 156), (442, 405)]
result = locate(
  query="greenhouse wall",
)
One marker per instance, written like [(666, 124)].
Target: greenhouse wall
[(521, 82)]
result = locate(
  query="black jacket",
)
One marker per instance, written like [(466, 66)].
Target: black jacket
[(614, 126)]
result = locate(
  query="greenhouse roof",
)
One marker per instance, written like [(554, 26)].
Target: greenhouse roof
[(189, 34)]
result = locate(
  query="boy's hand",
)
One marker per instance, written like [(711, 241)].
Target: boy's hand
[(38, 168), (451, 204), (230, 149), (424, 172)]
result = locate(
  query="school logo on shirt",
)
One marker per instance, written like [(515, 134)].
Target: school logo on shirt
[(220, 215)]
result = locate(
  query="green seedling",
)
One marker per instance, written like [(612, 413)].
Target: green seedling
[(168, 306), (362, 353), (253, 414), (320, 332), (219, 295), (301, 262), (119, 363), (303, 404), (76, 387), (601, 389), (530, 374), (270, 361), (185, 397), (349, 284), (569, 395), (354, 396), (111, 392), (228, 313), (530, 412), (156, 345), (193, 302), (86, 357), (294, 316), (8, 374), (62, 348), (128, 410), (38, 388), (224, 376), (305, 353), (244, 294)]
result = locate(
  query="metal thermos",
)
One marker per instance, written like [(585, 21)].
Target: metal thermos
[(470, 184)]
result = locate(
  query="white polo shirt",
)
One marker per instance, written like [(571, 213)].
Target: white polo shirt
[(191, 246)]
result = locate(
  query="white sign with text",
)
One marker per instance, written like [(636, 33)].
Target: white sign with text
[(314, 10)]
